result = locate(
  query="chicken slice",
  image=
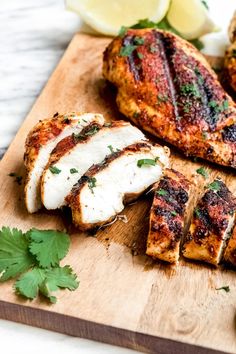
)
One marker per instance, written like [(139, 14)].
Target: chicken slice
[(230, 251), (211, 224), (168, 88), (74, 155), (40, 141), (167, 214), (102, 192)]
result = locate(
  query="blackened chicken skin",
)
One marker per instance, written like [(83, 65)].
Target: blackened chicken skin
[(211, 224), (167, 87), (167, 214)]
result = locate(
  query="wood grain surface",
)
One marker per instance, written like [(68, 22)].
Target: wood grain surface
[(124, 297)]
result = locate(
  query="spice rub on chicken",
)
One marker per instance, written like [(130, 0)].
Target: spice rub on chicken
[(102, 192), (75, 154), (167, 214), (40, 142), (168, 88), (230, 251), (211, 224)]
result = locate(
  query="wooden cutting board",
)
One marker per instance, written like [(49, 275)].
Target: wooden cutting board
[(124, 297)]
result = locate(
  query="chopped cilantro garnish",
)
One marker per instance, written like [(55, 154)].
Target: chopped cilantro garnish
[(146, 162), (54, 170), (191, 89), (73, 170), (225, 288), (197, 213), (122, 31), (233, 53), (173, 212), (140, 55), (110, 147), (92, 183), (202, 171), (204, 3), (161, 192), (214, 186), (127, 50), (136, 114), (138, 40)]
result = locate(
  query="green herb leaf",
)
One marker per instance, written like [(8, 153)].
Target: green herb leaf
[(46, 281), (122, 31), (110, 147), (138, 40), (204, 135), (15, 257), (202, 171), (92, 183), (214, 186), (152, 48), (190, 89), (140, 55), (161, 192), (225, 288), (73, 170), (204, 3), (49, 246), (197, 213), (29, 283), (127, 50), (146, 162), (162, 98), (173, 212), (144, 23), (54, 170)]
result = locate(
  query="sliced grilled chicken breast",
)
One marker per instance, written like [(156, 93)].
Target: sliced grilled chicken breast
[(211, 224), (102, 192), (167, 214), (230, 251), (168, 88), (41, 141), (74, 155)]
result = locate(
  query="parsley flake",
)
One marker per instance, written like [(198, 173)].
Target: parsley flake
[(92, 183), (127, 50), (54, 170), (214, 186), (161, 192), (225, 288), (202, 171), (73, 170), (122, 31), (110, 147), (140, 55), (138, 40), (146, 162), (18, 179)]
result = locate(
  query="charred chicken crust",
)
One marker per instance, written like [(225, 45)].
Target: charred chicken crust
[(167, 213), (211, 224)]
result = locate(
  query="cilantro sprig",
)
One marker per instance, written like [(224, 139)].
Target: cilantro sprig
[(35, 256)]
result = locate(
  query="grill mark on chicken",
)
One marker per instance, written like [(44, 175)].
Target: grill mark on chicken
[(229, 133), (167, 216), (209, 226), (135, 63)]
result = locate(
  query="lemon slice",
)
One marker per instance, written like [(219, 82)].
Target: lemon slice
[(107, 16), (190, 18)]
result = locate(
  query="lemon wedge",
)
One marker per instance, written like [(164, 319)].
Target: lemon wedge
[(190, 18), (107, 16)]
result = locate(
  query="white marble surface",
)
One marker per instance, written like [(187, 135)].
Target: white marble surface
[(33, 36)]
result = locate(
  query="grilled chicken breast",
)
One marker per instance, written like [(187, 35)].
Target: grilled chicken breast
[(230, 251), (75, 154), (167, 214), (167, 87), (211, 224), (41, 141), (102, 192), (230, 55)]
